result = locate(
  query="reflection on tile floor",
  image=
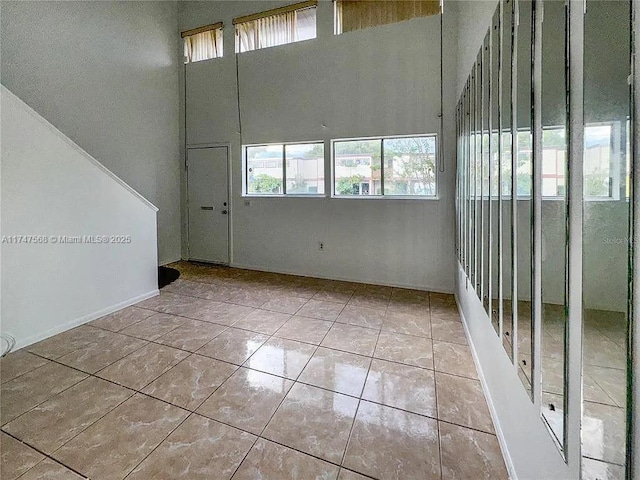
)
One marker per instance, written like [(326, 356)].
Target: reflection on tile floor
[(250, 375), (604, 384)]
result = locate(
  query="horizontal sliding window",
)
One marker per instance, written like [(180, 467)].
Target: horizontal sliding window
[(279, 26), (285, 169), (394, 166), (357, 14), (203, 43)]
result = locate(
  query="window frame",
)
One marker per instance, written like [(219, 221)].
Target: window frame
[(338, 27), (616, 167), (295, 7), (213, 27), (284, 194), (383, 196)]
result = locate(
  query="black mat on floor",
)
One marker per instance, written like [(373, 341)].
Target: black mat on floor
[(166, 276)]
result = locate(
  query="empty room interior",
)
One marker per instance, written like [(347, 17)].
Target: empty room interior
[(324, 239)]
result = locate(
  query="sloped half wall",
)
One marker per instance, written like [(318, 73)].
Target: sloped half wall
[(77, 242)]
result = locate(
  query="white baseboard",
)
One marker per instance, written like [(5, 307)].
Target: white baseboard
[(492, 408), (341, 279), (25, 342)]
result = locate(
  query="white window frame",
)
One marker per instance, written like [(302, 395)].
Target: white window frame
[(245, 171), (383, 196), (617, 166)]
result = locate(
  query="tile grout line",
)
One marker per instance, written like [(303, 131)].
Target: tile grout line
[(190, 353), (45, 455), (259, 436), (435, 387), (286, 395), (48, 398), (189, 414), (355, 415)]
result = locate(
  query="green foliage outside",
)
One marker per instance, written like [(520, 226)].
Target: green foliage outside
[(349, 185), (265, 184), (409, 164)]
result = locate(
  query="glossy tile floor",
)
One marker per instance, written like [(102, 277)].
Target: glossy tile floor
[(248, 375)]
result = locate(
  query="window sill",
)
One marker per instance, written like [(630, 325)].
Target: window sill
[(290, 195), (385, 197)]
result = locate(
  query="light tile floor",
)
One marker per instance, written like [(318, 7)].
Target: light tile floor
[(249, 375)]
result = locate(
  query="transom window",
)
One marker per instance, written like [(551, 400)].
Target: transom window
[(279, 26), (390, 166), (203, 43), (358, 14)]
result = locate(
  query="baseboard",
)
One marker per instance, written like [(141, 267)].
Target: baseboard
[(167, 262), (82, 320), (492, 409), (341, 279)]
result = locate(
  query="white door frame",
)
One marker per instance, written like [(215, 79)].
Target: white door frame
[(194, 146)]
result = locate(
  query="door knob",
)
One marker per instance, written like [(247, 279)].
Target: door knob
[(224, 212)]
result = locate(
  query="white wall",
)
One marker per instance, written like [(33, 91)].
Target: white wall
[(474, 18), (51, 187), (378, 81), (106, 74)]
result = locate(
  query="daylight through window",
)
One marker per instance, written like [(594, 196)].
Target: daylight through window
[(280, 26), (203, 43), (285, 169), (402, 166)]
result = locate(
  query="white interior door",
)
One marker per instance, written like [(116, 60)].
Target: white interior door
[(208, 195)]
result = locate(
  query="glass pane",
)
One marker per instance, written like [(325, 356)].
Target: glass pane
[(264, 170), (605, 238), (472, 177), (409, 166), (495, 199), (467, 176), (554, 217), (486, 176), (306, 24), (522, 309), (554, 143), (506, 187), (275, 30), (459, 181), (600, 158), (305, 168), (357, 167), (478, 177)]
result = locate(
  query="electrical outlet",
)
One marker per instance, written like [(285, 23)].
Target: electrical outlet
[(321, 246)]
